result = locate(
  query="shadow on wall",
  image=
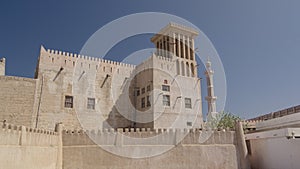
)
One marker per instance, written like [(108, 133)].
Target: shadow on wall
[(124, 112)]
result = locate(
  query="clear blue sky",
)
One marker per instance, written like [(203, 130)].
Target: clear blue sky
[(258, 41)]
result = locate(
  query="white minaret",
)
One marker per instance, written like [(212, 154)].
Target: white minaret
[(210, 98)]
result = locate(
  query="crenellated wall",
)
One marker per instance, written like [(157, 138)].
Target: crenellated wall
[(56, 59), (122, 137), (28, 148), (194, 151)]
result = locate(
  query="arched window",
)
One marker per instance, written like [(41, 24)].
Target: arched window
[(192, 70), (191, 51), (181, 49), (177, 67), (186, 49), (187, 69), (182, 69), (161, 46), (176, 47)]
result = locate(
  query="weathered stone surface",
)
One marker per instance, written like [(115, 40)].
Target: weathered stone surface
[(28, 148), (192, 152), (17, 97), (186, 156)]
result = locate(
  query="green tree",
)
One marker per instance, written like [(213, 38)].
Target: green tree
[(222, 120), (227, 120)]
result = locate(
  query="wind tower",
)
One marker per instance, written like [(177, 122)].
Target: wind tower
[(177, 42), (210, 98)]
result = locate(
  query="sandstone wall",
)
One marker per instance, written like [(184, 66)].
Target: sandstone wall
[(176, 115), (40, 102), (275, 148), (109, 82), (219, 150), (17, 99), (82, 77), (27, 148)]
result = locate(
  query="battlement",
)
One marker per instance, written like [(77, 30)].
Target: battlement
[(25, 147), (89, 59), (137, 130), (21, 135), (250, 124), (163, 58), (280, 113), (149, 61), (14, 128), (146, 136)]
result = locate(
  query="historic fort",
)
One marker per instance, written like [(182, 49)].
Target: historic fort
[(93, 93), (81, 112)]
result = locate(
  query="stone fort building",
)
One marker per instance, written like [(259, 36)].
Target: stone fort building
[(147, 115), (162, 92)]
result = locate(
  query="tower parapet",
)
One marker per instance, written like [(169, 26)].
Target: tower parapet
[(2, 67), (163, 136), (87, 59), (55, 60)]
